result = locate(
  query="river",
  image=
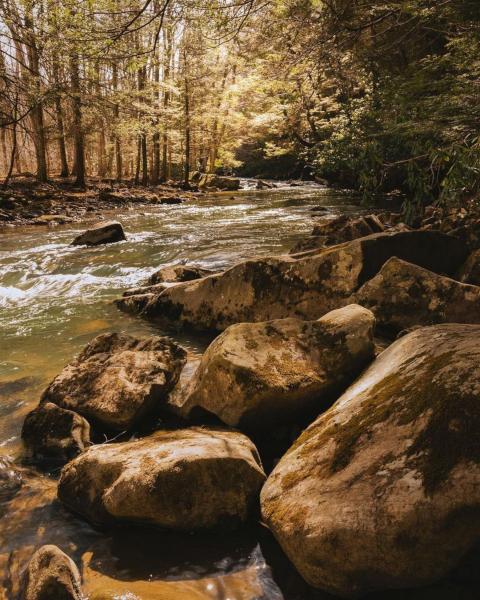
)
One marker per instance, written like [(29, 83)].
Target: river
[(54, 298)]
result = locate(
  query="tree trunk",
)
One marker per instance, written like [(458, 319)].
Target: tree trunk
[(116, 112), (36, 114), (62, 151), (167, 46), (186, 92), (78, 136)]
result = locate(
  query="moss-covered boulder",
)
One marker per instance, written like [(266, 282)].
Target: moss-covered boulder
[(182, 480), (383, 490), (52, 575), (404, 295), (256, 375), (118, 379), (54, 433), (304, 287)]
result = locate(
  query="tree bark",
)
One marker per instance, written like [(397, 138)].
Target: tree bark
[(78, 135), (116, 112)]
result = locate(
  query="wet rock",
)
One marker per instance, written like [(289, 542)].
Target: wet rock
[(219, 182), (102, 233), (52, 575), (256, 375), (182, 480), (118, 379), (383, 490), (336, 230), (305, 287), (176, 273), (470, 271), (403, 295), (10, 479), (55, 433)]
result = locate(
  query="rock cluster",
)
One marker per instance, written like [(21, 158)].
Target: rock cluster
[(381, 489), (304, 287), (114, 384)]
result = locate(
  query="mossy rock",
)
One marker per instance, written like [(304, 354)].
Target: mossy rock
[(383, 490), (256, 376), (304, 287)]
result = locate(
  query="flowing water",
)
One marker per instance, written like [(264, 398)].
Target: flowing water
[(54, 298)]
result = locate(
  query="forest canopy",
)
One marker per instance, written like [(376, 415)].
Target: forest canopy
[(376, 96)]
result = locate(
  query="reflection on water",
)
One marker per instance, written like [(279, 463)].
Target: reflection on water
[(55, 298)]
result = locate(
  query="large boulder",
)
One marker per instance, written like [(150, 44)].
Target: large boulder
[(101, 233), (256, 375), (383, 490), (52, 575), (403, 295), (10, 479), (470, 270), (304, 287), (55, 433), (118, 379), (220, 182), (182, 480), (331, 230), (177, 273)]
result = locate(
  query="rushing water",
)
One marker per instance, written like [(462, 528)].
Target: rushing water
[(53, 299)]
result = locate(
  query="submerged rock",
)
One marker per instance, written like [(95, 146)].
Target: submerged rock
[(10, 479), (101, 233), (256, 375), (183, 480), (55, 433), (52, 575), (178, 273), (403, 295), (118, 379), (305, 287), (383, 490)]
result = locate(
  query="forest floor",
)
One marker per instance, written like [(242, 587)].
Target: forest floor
[(27, 202)]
